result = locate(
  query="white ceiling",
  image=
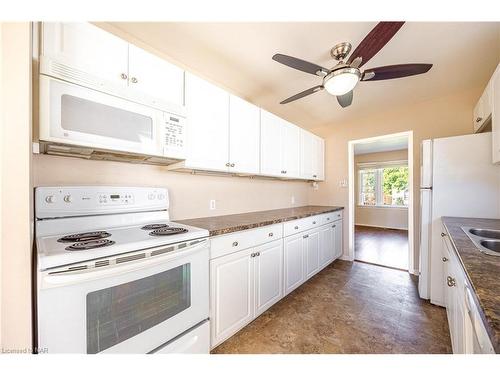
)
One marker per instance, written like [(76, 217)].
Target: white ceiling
[(382, 145), (237, 56)]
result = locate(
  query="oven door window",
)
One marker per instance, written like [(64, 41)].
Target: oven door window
[(118, 313)]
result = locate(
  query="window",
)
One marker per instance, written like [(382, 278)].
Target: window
[(384, 185)]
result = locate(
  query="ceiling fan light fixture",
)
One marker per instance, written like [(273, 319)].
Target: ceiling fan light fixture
[(341, 81)]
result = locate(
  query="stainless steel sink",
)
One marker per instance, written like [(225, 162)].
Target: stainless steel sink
[(486, 240), (491, 245), (486, 233)]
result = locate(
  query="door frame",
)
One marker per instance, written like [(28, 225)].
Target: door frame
[(352, 195)]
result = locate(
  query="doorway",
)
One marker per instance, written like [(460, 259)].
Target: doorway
[(381, 201)]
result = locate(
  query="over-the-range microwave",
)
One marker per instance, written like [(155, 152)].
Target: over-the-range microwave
[(83, 122)]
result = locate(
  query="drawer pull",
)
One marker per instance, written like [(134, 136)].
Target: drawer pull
[(257, 254), (443, 234), (296, 227), (451, 281), (445, 259), (306, 236), (327, 218), (235, 243), (253, 255), (333, 226), (271, 234), (314, 222)]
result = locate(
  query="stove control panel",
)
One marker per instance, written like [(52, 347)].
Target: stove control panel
[(52, 202)]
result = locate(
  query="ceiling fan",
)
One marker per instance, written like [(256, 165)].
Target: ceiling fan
[(343, 77)]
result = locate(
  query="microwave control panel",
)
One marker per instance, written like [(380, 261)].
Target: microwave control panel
[(174, 135)]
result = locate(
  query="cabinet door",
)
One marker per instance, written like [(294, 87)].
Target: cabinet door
[(154, 76), (294, 262), (307, 155), (208, 125), (244, 136), (268, 275), (231, 294), (290, 149), (319, 165), (89, 55), (326, 245), (311, 250), (338, 239), (270, 145), (495, 115)]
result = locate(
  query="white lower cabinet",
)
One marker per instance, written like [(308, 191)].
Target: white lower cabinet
[(243, 285), (311, 246), (294, 262)]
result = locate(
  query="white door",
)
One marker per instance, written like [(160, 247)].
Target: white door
[(208, 125), (326, 245), (290, 149), (268, 275), (88, 54), (231, 297), (294, 262), (244, 136), (339, 244), (307, 156), (154, 76), (270, 145), (311, 249)]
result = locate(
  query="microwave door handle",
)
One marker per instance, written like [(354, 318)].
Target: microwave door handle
[(53, 280)]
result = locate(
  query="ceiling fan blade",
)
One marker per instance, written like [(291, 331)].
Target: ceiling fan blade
[(310, 91), (395, 71), (374, 41), (345, 100), (302, 65)]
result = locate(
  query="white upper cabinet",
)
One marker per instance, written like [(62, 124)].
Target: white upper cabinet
[(244, 136), (311, 156), (208, 125), (156, 77), (89, 56), (84, 53), (270, 144), (280, 147)]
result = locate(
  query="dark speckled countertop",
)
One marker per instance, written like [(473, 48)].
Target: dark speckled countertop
[(482, 270), (218, 225)]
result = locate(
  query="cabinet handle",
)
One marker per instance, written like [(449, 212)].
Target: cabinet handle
[(258, 254), (123, 76), (232, 164), (227, 164), (305, 236), (443, 234), (271, 234), (134, 80), (479, 119), (327, 218), (314, 176), (235, 243), (445, 259), (314, 222), (333, 226), (253, 255), (451, 281), (285, 172), (296, 227)]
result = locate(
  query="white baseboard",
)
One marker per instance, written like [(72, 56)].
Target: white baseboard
[(379, 226)]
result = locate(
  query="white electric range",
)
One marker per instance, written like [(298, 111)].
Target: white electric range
[(115, 275)]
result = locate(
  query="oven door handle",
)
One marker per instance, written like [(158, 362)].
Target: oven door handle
[(52, 279)]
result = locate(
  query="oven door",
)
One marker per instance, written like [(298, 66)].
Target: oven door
[(76, 115), (133, 307)]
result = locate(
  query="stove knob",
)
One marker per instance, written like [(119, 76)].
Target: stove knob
[(50, 199), (68, 199)]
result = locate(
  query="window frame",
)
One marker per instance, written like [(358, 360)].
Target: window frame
[(379, 185)]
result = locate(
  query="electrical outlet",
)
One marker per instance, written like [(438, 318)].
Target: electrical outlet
[(212, 204), (343, 183), (293, 200)]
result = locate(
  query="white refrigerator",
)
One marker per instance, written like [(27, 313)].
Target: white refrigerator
[(457, 178)]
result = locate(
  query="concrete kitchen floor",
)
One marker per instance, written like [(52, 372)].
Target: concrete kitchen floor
[(348, 308)]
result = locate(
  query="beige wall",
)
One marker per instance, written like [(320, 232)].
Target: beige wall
[(386, 217), (15, 191), (189, 194), (440, 117)]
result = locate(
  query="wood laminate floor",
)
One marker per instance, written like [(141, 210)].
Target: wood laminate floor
[(349, 307), (386, 247)]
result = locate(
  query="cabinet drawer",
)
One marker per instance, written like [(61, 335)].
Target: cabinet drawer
[(229, 243), (330, 217), (300, 225)]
